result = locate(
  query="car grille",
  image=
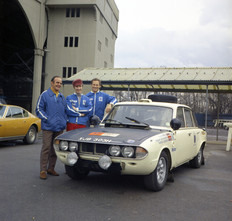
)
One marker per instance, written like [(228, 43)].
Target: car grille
[(93, 148)]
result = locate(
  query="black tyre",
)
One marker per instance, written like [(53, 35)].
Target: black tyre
[(198, 160), (158, 178), (76, 173), (31, 135)]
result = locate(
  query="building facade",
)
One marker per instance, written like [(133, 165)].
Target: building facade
[(69, 36)]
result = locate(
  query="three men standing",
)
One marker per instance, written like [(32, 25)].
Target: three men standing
[(56, 113)]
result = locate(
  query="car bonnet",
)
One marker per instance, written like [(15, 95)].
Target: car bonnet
[(123, 136)]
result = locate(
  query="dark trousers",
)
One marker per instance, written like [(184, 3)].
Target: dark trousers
[(48, 156)]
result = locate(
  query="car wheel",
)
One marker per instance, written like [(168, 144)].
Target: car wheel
[(31, 136), (75, 172), (158, 178), (198, 160)]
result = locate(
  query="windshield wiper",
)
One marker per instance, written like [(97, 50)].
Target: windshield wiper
[(113, 121), (136, 121)]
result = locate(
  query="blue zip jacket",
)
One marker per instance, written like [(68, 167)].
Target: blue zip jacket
[(99, 101), (83, 106), (51, 110)]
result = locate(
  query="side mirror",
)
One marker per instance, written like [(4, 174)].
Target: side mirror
[(95, 120), (175, 124)]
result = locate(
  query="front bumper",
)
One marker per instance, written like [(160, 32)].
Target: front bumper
[(126, 166)]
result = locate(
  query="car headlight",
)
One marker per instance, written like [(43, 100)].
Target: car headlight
[(114, 151), (72, 158), (140, 152), (104, 162), (128, 151), (63, 145), (73, 146)]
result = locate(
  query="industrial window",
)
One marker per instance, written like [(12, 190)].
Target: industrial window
[(74, 70), (78, 12), (69, 71), (76, 42), (72, 12), (67, 12), (71, 41), (65, 41), (64, 72)]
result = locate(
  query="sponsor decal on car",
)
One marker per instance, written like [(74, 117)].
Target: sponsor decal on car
[(164, 138), (173, 149), (130, 141), (104, 134), (90, 139)]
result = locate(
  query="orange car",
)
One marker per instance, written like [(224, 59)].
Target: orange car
[(16, 123)]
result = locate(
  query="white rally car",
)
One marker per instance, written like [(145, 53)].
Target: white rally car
[(136, 138)]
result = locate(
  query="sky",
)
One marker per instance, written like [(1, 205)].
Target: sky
[(174, 33)]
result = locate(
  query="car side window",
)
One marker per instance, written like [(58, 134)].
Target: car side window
[(25, 113), (16, 112), (180, 116), (8, 115), (2, 110), (188, 118), (194, 119)]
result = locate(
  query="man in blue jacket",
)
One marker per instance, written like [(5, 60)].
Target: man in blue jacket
[(78, 107), (101, 101), (50, 109)]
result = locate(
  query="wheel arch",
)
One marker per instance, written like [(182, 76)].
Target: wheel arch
[(167, 151), (35, 125), (203, 145)]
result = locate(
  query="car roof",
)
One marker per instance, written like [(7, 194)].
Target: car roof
[(11, 105), (148, 102)]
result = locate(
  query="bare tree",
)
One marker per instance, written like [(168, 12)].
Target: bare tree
[(217, 103)]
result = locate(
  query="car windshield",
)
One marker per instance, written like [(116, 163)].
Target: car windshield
[(140, 114)]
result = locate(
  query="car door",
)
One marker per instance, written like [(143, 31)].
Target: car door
[(185, 137), (14, 122)]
